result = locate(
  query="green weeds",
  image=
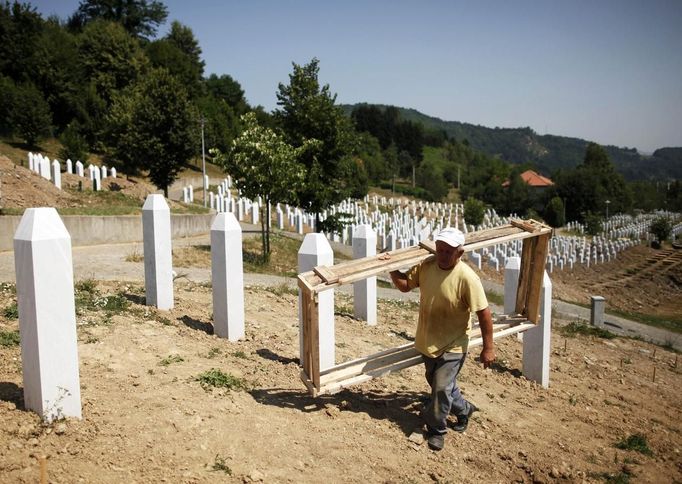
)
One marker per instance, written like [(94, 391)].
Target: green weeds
[(9, 338), (575, 328), (171, 359), (636, 442), (215, 378), (11, 311)]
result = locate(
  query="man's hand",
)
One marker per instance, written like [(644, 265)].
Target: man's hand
[(487, 357)]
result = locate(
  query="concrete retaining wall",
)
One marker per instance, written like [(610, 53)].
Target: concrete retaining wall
[(95, 230)]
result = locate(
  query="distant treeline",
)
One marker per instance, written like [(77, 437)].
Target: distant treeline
[(547, 153)]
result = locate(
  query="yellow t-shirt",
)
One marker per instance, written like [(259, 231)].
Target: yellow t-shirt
[(447, 299)]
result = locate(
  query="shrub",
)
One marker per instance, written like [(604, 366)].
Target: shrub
[(661, 228), (74, 146)]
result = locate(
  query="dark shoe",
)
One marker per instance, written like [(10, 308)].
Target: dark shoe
[(436, 441), (463, 420)]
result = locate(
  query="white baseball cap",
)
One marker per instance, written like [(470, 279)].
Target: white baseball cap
[(451, 236)]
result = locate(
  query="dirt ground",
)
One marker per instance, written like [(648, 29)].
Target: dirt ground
[(146, 417), (150, 413)]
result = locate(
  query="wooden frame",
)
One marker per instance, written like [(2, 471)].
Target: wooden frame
[(535, 236)]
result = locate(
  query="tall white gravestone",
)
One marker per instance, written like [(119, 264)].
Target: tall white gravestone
[(227, 277), (47, 315), (365, 291), (536, 341), (315, 251), (57, 174), (158, 261)]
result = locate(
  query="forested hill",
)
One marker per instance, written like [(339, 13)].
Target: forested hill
[(548, 152)]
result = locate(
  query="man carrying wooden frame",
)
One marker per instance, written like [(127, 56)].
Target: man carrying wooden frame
[(449, 292)]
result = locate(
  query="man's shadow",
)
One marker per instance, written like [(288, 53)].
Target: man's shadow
[(401, 407), (11, 392)]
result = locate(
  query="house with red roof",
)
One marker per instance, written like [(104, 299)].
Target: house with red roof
[(534, 180)]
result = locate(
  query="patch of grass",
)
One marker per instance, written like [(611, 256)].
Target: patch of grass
[(401, 304), (220, 464), (343, 309), (134, 256), (88, 286), (671, 323), (495, 298), (163, 320), (282, 289), (215, 378), (621, 478), (576, 328), (168, 360), (213, 352), (11, 311), (8, 287), (636, 442), (240, 354), (9, 338)]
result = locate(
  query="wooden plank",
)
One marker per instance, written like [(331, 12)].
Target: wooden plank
[(407, 359), (326, 274), (537, 272), (524, 274), (527, 226), (358, 269), (376, 361)]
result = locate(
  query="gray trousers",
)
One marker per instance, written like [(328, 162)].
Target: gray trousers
[(446, 398)]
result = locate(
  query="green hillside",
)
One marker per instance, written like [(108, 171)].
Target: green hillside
[(549, 152)]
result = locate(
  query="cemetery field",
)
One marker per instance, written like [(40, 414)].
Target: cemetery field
[(641, 283), (164, 399)]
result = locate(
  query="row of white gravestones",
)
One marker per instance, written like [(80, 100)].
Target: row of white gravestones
[(45, 293), (42, 165)]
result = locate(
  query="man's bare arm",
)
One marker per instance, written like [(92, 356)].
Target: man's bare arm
[(399, 280), (485, 322)]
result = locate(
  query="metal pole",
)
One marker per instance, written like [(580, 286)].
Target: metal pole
[(203, 160)]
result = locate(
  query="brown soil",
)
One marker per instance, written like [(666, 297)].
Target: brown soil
[(146, 418)]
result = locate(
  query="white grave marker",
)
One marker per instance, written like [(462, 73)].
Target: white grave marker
[(47, 315)]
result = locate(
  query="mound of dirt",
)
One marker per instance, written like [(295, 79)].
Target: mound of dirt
[(23, 188)]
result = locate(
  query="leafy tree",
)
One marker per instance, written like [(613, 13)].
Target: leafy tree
[(7, 89), (593, 223), (225, 88), (140, 18), (152, 125), (673, 196), (58, 72), (308, 111), (111, 58), (369, 151), (661, 228), (20, 27), (74, 146), (517, 194), (180, 54), (587, 188), (474, 210), (554, 212), (30, 114), (263, 164), (430, 178), (221, 125)]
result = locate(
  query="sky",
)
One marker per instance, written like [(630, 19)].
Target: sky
[(608, 71)]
